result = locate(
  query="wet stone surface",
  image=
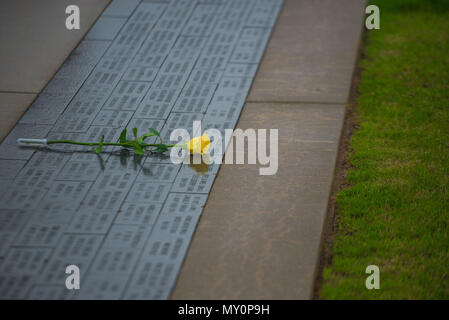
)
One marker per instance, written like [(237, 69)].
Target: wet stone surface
[(125, 221)]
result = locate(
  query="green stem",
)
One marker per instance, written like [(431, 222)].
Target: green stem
[(107, 143)]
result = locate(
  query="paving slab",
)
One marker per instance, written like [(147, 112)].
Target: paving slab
[(312, 52)]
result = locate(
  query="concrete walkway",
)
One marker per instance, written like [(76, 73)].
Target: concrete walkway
[(258, 236)]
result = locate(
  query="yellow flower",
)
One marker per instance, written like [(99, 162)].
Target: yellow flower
[(198, 145)]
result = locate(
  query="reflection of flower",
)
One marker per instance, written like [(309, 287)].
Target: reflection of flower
[(200, 168), (198, 145)]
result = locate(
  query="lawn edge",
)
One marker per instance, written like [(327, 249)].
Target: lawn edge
[(342, 166)]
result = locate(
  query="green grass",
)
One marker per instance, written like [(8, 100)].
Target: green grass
[(394, 212)]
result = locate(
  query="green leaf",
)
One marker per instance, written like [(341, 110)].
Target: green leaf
[(135, 132), (161, 148), (150, 134), (138, 149), (154, 132), (100, 145), (123, 136)]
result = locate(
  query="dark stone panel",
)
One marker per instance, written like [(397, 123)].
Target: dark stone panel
[(123, 161), (241, 70), (14, 286), (18, 197), (148, 192), (220, 45), (94, 134), (180, 121), (91, 221), (112, 118), (47, 108), (188, 179), (88, 52), (40, 234), (236, 10), (68, 191), (194, 98), (115, 262), (155, 48), (264, 16), (36, 176), (152, 279), (109, 190), (158, 103), (83, 108), (162, 257), (176, 15), (9, 149), (11, 223), (140, 213), (24, 261), (10, 168), (201, 21), (105, 28), (205, 76), (50, 292), (54, 211), (153, 172), (72, 249), (102, 286), (63, 86), (251, 46), (139, 73), (121, 8), (127, 95), (143, 126), (112, 65), (80, 170), (126, 236)]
